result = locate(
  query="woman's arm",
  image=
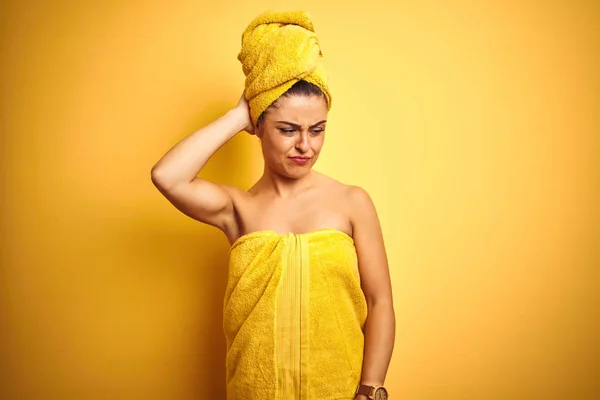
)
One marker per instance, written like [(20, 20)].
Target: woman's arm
[(376, 285), (175, 173)]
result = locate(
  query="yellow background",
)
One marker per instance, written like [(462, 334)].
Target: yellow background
[(474, 125)]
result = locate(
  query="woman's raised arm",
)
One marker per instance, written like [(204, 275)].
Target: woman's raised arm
[(175, 174)]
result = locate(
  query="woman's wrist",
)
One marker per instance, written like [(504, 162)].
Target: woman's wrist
[(239, 118)]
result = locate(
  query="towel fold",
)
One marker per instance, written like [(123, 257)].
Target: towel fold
[(294, 317), (278, 50)]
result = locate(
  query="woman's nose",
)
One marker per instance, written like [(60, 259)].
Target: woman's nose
[(302, 143)]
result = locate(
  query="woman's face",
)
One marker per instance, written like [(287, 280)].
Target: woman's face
[(292, 134)]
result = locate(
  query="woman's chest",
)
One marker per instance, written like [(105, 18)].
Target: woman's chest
[(298, 215)]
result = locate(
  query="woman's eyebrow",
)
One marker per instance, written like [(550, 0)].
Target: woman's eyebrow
[(298, 126)]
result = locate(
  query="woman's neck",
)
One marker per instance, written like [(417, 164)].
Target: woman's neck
[(285, 187)]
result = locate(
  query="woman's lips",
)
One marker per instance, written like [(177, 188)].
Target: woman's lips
[(300, 160)]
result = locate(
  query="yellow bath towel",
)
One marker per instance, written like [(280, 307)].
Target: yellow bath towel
[(278, 50), (294, 317)]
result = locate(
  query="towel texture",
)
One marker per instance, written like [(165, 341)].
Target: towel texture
[(278, 50), (294, 317)]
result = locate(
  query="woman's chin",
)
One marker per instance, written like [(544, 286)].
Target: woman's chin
[(296, 172), (293, 170)]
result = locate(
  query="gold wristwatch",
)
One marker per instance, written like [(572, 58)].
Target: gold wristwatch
[(372, 392)]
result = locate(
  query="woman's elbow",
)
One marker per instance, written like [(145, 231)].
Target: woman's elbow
[(380, 302), (158, 178)]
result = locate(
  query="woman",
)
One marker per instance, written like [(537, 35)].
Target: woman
[(308, 308)]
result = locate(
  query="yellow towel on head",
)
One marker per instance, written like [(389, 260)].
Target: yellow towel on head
[(278, 50), (294, 317)]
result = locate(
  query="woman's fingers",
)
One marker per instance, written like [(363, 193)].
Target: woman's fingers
[(245, 108)]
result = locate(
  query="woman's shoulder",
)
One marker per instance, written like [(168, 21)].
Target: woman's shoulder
[(352, 200), (350, 191)]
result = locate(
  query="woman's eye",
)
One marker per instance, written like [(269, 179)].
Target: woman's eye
[(290, 131)]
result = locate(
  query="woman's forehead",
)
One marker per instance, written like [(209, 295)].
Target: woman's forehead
[(299, 110)]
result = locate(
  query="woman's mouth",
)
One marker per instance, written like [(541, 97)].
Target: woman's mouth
[(300, 160)]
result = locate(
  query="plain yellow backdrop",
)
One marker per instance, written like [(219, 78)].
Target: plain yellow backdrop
[(474, 125)]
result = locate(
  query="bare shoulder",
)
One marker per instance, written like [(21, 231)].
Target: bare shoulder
[(363, 215), (331, 184), (358, 196), (354, 200), (355, 196)]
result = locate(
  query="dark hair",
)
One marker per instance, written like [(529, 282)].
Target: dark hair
[(300, 88)]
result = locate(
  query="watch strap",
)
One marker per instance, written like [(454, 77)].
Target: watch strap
[(366, 390)]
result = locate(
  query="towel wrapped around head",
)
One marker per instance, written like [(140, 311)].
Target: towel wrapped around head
[(278, 50)]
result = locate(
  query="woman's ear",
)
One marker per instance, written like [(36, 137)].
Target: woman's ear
[(258, 130)]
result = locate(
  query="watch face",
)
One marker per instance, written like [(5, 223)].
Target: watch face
[(381, 394)]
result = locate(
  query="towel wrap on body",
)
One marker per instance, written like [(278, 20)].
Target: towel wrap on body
[(294, 317)]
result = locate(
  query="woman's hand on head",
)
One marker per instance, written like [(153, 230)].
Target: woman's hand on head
[(243, 110)]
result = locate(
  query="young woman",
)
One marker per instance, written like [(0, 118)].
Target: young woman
[(308, 310)]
